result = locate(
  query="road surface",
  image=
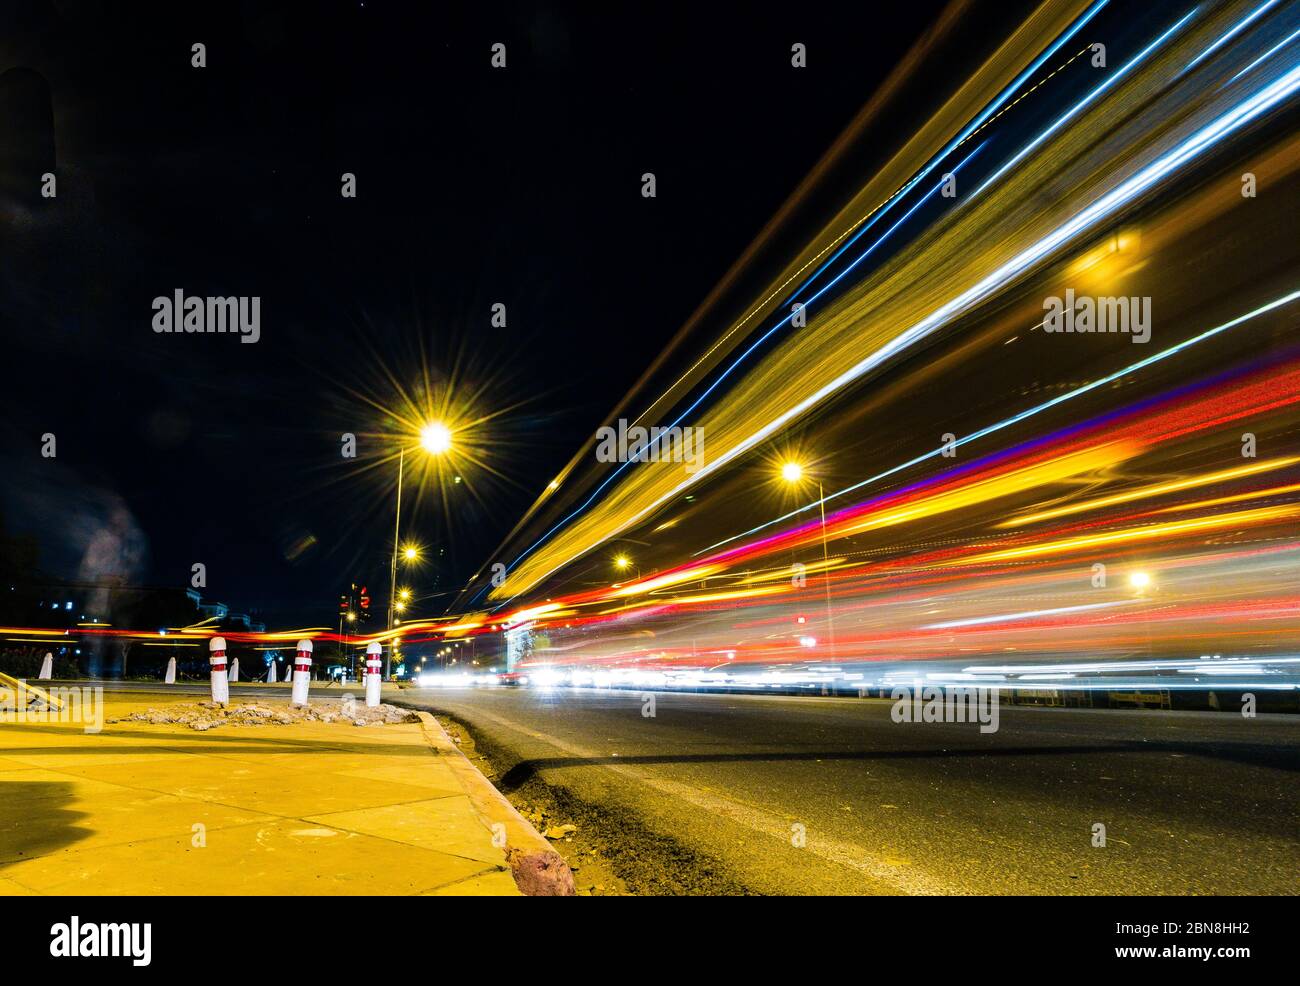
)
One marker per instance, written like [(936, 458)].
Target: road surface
[(723, 787)]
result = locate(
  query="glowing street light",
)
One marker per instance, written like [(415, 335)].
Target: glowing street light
[(1139, 580), (623, 563), (792, 472), (436, 438), (411, 552)]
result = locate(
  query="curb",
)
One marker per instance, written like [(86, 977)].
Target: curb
[(539, 870)]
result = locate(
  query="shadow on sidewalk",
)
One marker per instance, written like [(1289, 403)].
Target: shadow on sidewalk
[(35, 820)]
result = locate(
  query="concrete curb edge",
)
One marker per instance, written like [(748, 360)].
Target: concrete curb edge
[(539, 870)]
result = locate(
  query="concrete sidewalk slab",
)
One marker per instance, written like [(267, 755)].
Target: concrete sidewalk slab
[(10, 889), (286, 857), (537, 868), (454, 826), (306, 808)]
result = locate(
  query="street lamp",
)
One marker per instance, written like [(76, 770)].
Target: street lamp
[(793, 473), (623, 563), (435, 438)]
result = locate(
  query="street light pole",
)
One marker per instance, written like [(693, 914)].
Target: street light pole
[(793, 472), (435, 438), (392, 571)]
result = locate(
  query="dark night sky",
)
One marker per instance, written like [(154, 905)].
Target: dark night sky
[(474, 186)]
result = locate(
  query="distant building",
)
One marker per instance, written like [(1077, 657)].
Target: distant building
[(220, 614)]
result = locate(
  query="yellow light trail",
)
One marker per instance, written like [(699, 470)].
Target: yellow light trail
[(815, 360), (1148, 533), (785, 572), (1019, 480), (1237, 498), (672, 578), (531, 613), (308, 633), (697, 599), (1155, 489), (923, 284)]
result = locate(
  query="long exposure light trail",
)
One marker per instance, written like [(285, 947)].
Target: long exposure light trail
[(1153, 490), (1128, 190), (873, 217), (1022, 416), (1232, 32)]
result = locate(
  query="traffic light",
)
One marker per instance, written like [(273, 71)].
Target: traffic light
[(348, 601), (364, 604)]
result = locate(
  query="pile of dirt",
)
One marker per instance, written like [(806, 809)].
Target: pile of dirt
[(209, 715)]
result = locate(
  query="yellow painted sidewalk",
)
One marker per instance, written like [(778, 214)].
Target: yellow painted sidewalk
[(310, 808)]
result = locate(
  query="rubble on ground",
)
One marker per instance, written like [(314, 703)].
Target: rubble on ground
[(209, 715)]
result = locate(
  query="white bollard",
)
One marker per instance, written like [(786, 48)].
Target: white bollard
[(233, 673), (47, 667), (217, 666), (170, 677), (271, 675), (301, 673), (373, 664)]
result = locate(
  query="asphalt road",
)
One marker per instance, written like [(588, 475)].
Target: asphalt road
[(1192, 803)]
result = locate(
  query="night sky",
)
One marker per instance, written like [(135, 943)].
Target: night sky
[(474, 186)]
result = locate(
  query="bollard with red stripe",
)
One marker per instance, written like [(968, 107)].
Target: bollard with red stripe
[(373, 664), (217, 667), (301, 673)]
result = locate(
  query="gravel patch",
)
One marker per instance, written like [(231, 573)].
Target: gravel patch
[(208, 715)]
